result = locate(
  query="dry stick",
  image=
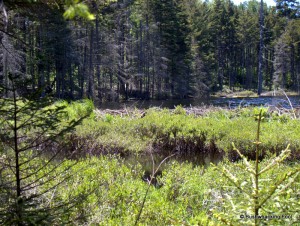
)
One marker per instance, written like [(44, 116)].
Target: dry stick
[(149, 183), (290, 103), (257, 142)]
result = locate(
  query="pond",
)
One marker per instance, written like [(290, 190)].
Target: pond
[(278, 101)]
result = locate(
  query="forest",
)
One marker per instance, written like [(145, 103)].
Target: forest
[(150, 49), (66, 161)]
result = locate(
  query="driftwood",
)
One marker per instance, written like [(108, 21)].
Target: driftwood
[(125, 112), (201, 111), (196, 111), (140, 113)]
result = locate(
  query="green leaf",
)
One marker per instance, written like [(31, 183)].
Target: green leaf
[(78, 9), (69, 13)]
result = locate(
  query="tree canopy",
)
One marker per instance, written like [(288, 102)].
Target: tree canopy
[(109, 50)]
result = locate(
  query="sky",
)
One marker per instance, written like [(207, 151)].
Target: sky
[(268, 2)]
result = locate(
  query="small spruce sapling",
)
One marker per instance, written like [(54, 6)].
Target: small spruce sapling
[(256, 192)]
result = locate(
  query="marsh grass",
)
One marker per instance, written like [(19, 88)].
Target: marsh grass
[(188, 134), (189, 195), (110, 191), (173, 131)]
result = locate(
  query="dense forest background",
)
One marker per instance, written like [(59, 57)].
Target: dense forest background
[(149, 48)]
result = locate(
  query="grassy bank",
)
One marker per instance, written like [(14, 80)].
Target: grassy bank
[(166, 132)]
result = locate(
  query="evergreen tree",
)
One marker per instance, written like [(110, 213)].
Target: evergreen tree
[(30, 130), (146, 49), (174, 31)]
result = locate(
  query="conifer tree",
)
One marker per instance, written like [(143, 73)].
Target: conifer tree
[(32, 159), (254, 204), (31, 138)]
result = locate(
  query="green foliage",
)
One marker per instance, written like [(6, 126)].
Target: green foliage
[(30, 170), (190, 134), (112, 190), (76, 110), (76, 8), (179, 110), (116, 191), (109, 190), (108, 118), (256, 193)]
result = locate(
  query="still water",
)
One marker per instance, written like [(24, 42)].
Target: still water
[(278, 101)]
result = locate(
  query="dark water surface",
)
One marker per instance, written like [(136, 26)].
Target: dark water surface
[(278, 101)]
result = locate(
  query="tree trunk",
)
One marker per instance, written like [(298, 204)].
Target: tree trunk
[(17, 163), (41, 75), (293, 78), (98, 57), (71, 81), (220, 66), (91, 69), (261, 47)]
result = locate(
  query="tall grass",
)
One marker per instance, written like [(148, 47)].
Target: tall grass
[(170, 132), (77, 109)]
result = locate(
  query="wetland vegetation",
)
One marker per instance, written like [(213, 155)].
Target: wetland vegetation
[(109, 167), (67, 162)]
